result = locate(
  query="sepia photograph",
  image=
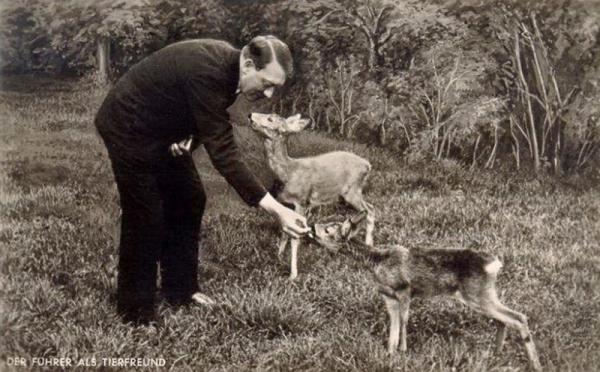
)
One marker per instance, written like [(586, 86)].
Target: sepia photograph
[(300, 185)]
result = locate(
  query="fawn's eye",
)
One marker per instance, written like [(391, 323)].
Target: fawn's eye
[(270, 120)]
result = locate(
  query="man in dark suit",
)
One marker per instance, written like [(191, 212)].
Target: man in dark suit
[(180, 91)]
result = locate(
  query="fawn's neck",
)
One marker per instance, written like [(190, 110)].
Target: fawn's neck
[(366, 255), (278, 158)]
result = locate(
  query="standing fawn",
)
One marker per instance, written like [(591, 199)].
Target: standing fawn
[(312, 181), (401, 273)]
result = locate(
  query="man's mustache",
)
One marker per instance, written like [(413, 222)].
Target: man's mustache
[(254, 96)]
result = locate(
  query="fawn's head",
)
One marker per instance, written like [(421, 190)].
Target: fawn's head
[(274, 126), (332, 235)]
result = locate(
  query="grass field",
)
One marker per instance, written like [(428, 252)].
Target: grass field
[(58, 236)]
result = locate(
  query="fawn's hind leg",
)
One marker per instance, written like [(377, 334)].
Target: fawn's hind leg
[(500, 337), (487, 303), (521, 325)]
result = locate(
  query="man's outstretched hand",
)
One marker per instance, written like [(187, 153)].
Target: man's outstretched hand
[(181, 147), (292, 223)]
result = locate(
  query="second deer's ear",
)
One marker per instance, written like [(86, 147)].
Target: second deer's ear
[(302, 123), (292, 118), (296, 125), (350, 227), (358, 218), (346, 229)]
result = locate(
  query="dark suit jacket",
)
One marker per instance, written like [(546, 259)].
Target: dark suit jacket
[(181, 90)]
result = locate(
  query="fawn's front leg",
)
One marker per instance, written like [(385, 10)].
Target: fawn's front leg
[(369, 229), (397, 304), (404, 300), (393, 308), (283, 241), (295, 243), (294, 259)]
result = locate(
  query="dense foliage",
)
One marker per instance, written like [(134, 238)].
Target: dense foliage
[(513, 81)]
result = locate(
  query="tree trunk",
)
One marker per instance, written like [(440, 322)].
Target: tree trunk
[(382, 135), (490, 163), (103, 58), (526, 97), (515, 146), (474, 161), (373, 60), (557, 159)]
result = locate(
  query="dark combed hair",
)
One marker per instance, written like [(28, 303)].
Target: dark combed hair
[(259, 51)]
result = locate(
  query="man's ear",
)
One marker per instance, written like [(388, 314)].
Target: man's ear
[(245, 61), (248, 63)]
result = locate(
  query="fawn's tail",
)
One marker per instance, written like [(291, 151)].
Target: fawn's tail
[(493, 267)]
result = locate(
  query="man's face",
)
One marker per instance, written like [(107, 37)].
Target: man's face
[(256, 84)]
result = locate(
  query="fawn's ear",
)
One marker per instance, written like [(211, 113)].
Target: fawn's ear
[(293, 118), (346, 229), (358, 218), (351, 226), (294, 124)]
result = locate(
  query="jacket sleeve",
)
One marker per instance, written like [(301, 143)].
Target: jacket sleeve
[(216, 133), (225, 156)]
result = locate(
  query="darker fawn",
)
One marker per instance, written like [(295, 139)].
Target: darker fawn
[(402, 273)]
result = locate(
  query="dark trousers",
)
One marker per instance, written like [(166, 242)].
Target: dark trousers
[(162, 213)]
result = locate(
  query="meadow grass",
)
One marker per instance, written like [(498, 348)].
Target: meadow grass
[(59, 233)]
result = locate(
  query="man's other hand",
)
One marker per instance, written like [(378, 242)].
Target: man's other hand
[(181, 147), (202, 299)]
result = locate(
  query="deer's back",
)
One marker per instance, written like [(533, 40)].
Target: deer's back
[(430, 272), (348, 161), (322, 179)]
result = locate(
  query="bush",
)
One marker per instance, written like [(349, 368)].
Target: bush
[(428, 79)]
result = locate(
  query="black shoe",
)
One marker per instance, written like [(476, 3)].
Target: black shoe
[(139, 316), (177, 299)]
